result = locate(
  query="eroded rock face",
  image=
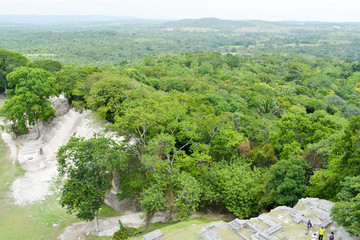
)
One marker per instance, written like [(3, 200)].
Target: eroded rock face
[(120, 206), (60, 105)]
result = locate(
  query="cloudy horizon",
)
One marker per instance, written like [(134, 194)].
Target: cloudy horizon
[(276, 10)]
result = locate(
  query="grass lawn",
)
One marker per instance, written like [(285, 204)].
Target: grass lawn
[(188, 229)]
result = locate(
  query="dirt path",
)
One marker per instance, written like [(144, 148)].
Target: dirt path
[(11, 144), (38, 156)]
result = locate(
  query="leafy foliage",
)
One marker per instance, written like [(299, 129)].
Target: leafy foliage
[(8, 61), (124, 232), (287, 181), (204, 143), (85, 164), (47, 64), (235, 186), (347, 211), (29, 94), (238, 133)]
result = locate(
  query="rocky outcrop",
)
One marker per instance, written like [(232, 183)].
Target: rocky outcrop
[(120, 206)]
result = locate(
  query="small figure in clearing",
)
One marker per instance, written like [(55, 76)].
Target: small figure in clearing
[(308, 226), (331, 237), (313, 237), (321, 233)]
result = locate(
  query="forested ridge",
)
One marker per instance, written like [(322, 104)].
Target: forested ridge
[(110, 42), (237, 133)]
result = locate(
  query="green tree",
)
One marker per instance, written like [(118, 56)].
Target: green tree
[(175, 191), (8, 61), (348, 148), (85, 165), (71, 79), (344, 162), (347, 211), (304, 129), (268, 106), (226, 143), (29, 94), (287, 181), (235, 186), (206, 68), (263, 155), (106, 96), (47, 64)]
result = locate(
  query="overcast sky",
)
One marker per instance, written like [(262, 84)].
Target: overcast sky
[(273, 10)]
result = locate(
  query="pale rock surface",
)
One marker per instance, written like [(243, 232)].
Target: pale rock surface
[(38, 156)]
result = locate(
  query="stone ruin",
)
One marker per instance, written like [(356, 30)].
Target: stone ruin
[(283, 223), (154, 235), (321, 210), (206, 232), (257, 234)]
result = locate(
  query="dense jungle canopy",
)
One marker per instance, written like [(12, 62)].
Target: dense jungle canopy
[(239, 130)]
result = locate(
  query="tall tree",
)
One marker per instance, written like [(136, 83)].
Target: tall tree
[(9, 60), (86, 164), (345, 161), (47, 64), (29, 98), (235, 186), (347, 211), (287, 181)]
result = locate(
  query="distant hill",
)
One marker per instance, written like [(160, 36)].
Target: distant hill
[(215, 23), (60, 19), (209, 23), (231, 25)]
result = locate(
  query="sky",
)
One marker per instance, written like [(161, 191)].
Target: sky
[(270, 10)]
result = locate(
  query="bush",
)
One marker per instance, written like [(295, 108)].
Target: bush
[(124, 232)]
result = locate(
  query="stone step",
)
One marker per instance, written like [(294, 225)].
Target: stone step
[(273, 229), (242, 236), (47, 153)]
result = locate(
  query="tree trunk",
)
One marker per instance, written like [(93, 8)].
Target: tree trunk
[(148, 218), (96, 223), (97, 220), (37, 128)]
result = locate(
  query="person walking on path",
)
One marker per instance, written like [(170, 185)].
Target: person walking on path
[(331, 237), (321, 233), (308, 226)]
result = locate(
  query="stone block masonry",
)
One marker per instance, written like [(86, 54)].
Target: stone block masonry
[(154, 235)]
